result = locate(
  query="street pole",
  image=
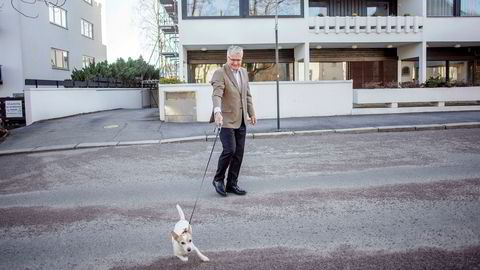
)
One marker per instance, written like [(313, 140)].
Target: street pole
[(277, 65)]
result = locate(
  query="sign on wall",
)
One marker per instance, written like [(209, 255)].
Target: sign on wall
[(13, 109)]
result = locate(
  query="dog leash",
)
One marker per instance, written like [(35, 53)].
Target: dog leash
[(218, 128)]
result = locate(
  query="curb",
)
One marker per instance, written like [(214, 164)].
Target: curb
[(249, 135)]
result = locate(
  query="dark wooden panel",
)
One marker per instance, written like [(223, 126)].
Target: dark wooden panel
[(249, 56), (340, 55), (438, 54)]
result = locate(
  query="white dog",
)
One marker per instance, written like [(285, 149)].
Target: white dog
[(182, 239)]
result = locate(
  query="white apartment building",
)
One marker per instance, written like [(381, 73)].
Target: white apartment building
[(367, 41), (47, 48)]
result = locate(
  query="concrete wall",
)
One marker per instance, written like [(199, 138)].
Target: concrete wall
[(297, 99), (48, 103), (455, 29), (25, 44)]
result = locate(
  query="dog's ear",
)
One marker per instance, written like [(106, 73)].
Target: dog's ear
[(190, 229), (175, 236)]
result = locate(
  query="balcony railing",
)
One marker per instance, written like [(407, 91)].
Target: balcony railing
[(356, 24)]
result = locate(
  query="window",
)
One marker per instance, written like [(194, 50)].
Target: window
[(258, 72), (57, 16), (208, 8), (86, 28), (409, 71), (328, 71), (241, 8), (437, 69), (88, 1), (318, 8), (440, 7), (59, 59), (87, 61), (268, 8), (377, 9), (203, 73), (458, 71), (470, 8)]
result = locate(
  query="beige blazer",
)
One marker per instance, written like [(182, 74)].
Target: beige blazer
[(233, 99)]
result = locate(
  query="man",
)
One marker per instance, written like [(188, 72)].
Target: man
[(232, 104)]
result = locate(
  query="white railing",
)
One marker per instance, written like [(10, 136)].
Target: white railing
[(393, 97), (357, 24)]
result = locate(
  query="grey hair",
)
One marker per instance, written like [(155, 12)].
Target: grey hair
[(234, 50)]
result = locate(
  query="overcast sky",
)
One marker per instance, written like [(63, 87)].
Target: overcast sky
[(120, 33)]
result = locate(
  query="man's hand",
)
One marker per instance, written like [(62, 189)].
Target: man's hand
[(253, 120), (218, 119)]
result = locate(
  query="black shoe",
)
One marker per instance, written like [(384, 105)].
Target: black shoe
[(235, 189), (219, 188)]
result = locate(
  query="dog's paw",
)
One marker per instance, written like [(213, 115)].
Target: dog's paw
[(183, 258), (205, 259)]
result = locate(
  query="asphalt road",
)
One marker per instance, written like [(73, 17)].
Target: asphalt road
[(406, 200)]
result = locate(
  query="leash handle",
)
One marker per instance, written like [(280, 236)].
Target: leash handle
[(218, 128)]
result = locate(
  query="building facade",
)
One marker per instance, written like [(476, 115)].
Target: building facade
[(370, 42), (50, 45)]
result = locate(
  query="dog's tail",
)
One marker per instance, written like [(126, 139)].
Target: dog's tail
[(180, 212)]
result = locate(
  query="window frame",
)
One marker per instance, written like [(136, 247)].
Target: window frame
[(51, 14), (373, 4), (320, 4), (54, 65), (82, 30), (457, 11), (244, 12), (87, 57)]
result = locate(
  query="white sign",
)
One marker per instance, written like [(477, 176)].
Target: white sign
[(13, 109)]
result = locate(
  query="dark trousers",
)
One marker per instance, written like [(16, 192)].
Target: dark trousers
[(233, 142)]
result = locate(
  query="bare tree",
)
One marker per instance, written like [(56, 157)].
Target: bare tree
[(16, 3)]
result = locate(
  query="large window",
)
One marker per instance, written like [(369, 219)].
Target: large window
[(209, 8), (328, 71), (437, 69), (258, 72), (87, 61), (470, 8), (268, 8), (86, 28), (57, 16), (240, 8), (453, 7), (318, 8), (202, 73), (458, 71), (377, 9), (59, 59), (440, 7)]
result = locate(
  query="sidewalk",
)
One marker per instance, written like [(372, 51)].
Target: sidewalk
[(142, 126)]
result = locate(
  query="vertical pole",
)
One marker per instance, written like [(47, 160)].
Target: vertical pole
[(277, 65)]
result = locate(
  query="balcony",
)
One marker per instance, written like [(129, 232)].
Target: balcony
[(356, 25)]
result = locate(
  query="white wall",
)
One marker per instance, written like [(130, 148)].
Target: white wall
[(455, 29), (48, 103), (297, 99), (25, 43), (36, 48), (362, 96), (10, 54)]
